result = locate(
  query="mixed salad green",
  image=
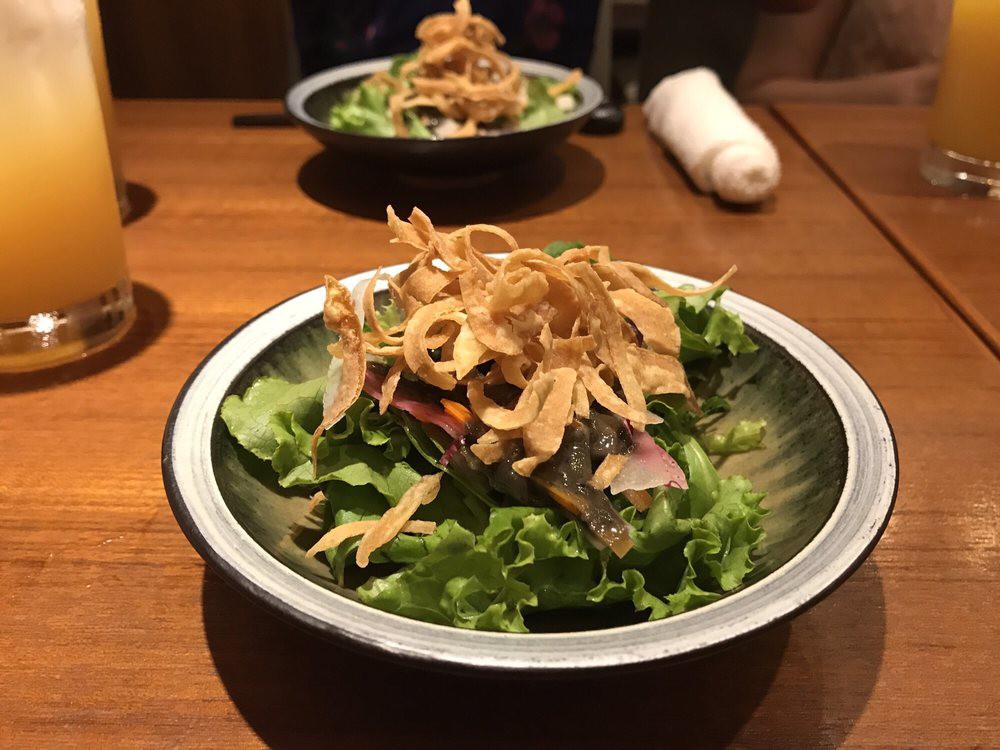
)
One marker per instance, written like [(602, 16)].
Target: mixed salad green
[(364, 109), (493, 558)]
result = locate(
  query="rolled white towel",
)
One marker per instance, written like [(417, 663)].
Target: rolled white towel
[(721, 149)]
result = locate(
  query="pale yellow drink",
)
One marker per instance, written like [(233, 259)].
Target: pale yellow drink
[(98, 56), (966, 114), (965, 123), (62, 256)]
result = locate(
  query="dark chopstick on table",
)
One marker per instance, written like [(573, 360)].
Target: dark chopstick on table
[(262, 120)]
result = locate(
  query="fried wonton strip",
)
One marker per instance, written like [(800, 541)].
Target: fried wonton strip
[(390, 383), (338, 534), (581, 401), (607, 398), (405, 233), (543, 435), (468, 351), (659, 373), (570, 352), (381, 350), (446, 247), (566, 83), (512, 369), (340, 317), (396, 107), (425, 283), (641, 499), (493, 415), (655, 322), (655, 282), (630, 280), (415, 345), (610, 468), (394, 519), (422, 223), (368, 305), (611, 328), (578, 255), (317, 499), (459, 68), (496, 335), (518, 286), (503, 234), (489, 447)]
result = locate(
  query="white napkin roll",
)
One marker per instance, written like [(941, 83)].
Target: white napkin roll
[(721, 149)]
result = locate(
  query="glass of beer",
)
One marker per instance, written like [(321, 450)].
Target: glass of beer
[(965, 122), (64, 287)]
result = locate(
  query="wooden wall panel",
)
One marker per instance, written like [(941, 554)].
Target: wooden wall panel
[(198, 48)]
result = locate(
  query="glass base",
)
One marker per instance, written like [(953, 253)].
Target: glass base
[(55, 337), (963, 174)]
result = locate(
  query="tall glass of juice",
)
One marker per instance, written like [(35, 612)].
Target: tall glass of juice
[(965, 122), (64, 287), (95, 38)]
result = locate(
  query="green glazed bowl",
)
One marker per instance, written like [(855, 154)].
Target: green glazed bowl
[(829, 468)]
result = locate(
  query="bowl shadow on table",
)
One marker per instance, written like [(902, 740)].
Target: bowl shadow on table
[(152, 318), (794, 684), (550, 182)]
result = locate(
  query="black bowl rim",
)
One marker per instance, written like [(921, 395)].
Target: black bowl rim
[(297, 96)]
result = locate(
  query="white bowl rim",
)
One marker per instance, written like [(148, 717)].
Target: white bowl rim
[(841, 545)]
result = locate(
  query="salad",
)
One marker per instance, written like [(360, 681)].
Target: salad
[(457, 84), (503, 435)]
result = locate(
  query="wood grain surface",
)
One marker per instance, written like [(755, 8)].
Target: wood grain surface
[(113, 633), (875, 153)]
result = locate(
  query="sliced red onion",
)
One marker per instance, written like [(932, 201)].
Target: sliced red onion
[(373, 382), (452, 450), (648, 466), (422, 411)]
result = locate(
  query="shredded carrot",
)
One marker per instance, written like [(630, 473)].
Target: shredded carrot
[(457, 410)]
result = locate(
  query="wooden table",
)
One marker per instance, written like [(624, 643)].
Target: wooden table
[(113, 633), (874, 154)]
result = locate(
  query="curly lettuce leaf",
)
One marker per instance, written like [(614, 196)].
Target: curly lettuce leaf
[(249, 417), (747, 435), (275, 420), (541, 108), (398, 61), (415, 125), (707, 328), (532, 559), (457, 583), (364, 110), (359, 465)]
